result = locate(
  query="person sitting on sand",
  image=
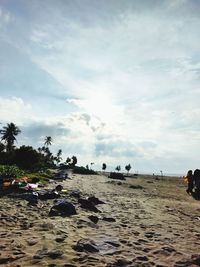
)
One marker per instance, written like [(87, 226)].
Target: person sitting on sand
[(190, 180)]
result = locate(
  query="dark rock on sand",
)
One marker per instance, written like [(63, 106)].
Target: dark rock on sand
[(142, 258), (86, 245), (112, 243), (40, 254), (88, 205), (54, 254), (75, 194), (6, 260), (108, 219), (62, 208), (122, 263), (48, 194), (32, 242), (194, 261), (95, 200), (60, 239), (169, 249), (28, 196), (94, 219)]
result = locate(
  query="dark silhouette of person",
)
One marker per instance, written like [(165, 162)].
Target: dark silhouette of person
[(190, 179), (196, 178)]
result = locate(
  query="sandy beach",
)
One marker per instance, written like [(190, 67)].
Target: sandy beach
[(144, 221)]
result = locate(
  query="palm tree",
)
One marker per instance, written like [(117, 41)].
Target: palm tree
[(58, 156), (74, 160), (9, 134), (128, 167), (68, 160), (48, 141), (104, 166), (2, 147), (92, 163), (118, 168)]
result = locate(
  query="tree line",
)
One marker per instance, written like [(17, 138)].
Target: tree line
[(118, 167), (28, 158)]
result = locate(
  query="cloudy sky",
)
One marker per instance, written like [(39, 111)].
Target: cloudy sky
[(110, 80)]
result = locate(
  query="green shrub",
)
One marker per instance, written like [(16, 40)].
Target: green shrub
[(10, 171), (82, 170)]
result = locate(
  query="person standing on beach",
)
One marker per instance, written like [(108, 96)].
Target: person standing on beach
[(196, 179), (190, 179)]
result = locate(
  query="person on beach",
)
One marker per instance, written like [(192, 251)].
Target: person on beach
[(196, 179), (190, 180)]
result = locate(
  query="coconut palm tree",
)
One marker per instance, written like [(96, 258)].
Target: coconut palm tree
[(58, 157), (2, 147), (48, 141), (9, 134)]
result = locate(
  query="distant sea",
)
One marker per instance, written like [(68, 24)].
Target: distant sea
[(164, 174)]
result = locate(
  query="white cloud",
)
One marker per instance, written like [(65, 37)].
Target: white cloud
[(15, 110)]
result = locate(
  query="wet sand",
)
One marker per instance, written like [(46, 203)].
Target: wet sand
[(144, 222)]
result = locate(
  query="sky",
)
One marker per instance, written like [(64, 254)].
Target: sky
[(110, 81)]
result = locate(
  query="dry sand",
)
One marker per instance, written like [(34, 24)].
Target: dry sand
[(156, 225)]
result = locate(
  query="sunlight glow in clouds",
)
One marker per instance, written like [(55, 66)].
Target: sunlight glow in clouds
[(98, 105)]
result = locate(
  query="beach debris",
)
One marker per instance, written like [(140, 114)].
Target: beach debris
[(58, 188), (31, 197), (75, 193), (48, 194), (60, 176), (62, 208), (116, 175)]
